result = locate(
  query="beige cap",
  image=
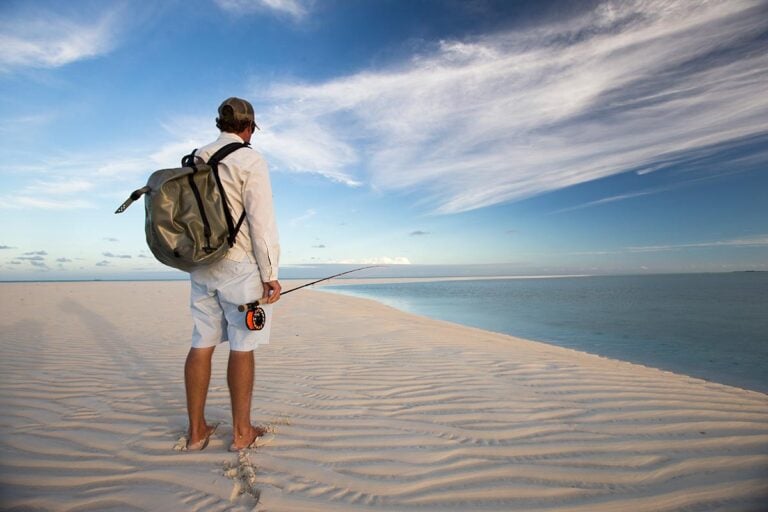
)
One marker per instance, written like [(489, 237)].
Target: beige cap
[(241, 110)]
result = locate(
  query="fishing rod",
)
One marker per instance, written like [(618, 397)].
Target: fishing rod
[(255, 316), (256, 303)]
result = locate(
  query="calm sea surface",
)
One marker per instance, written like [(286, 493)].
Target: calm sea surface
[(712, 326)]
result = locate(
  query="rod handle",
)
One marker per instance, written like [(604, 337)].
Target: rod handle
[(245, 307)]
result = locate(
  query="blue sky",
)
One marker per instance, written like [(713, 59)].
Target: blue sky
[(528, 137)]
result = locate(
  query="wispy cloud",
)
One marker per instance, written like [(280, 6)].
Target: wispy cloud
[(59, 186), (303, 218), (51, 41), (15, 202), (296, 9), (196, 131), (631, 85), (753, 241), (70, 181), (756, 241), (320, 151), (28, 122), (111, 255), (47, 194), (379, 260), (613, 199)]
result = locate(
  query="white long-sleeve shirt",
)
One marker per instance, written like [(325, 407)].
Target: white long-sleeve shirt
[(245, 178)]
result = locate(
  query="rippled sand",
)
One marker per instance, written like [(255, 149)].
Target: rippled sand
[(372, 409)]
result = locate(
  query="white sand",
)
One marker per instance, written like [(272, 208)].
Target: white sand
[(373, 409)]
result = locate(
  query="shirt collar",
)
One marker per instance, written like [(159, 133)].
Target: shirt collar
[(230, 137)]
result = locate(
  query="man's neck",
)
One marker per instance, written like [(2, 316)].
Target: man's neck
[(244, 135)]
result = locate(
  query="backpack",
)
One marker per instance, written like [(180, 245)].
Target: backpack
[(188, 223)]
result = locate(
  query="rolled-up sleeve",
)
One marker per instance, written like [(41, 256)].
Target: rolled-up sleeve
[(260, 214)]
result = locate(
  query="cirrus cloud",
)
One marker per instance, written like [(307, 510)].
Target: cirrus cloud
[(379, 260), (112, 255), (628, 86), (297, 9), (52, 41)]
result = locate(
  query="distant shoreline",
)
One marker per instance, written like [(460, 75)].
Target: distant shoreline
[(382, 279)]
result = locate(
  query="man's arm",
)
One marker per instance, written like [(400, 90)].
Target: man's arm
[(260, 214)]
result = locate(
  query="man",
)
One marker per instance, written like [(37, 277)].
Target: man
[(248, 271)]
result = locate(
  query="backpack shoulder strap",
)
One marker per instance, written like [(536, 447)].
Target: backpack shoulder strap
[(217, 157), (225, 151)]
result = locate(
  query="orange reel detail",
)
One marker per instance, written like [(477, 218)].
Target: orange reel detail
[(255, 318)]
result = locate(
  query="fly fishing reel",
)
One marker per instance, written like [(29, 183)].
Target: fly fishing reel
[(255, 318)]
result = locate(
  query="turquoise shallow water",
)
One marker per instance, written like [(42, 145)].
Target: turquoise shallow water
[(711, 326)]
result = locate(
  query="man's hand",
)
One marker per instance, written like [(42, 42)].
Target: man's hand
[(271, 292)]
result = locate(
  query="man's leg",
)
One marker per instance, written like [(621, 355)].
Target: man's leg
[(240, 379), (197, 376)]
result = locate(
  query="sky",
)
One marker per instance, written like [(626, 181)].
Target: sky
[(503, 137)]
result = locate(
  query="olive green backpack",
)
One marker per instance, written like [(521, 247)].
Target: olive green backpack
[(188, 223)]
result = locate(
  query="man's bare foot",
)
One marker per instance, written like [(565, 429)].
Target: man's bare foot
[(242, 442), (200, 443)]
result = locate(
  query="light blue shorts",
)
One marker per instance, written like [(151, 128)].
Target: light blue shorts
[(216, 292)]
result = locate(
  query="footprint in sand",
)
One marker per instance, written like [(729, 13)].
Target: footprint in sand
[(244, 475), (181, 443)]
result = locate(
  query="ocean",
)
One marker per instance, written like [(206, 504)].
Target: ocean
[(710, 326)]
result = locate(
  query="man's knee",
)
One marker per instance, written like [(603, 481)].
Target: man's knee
[(239, 358), (196, 355)]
